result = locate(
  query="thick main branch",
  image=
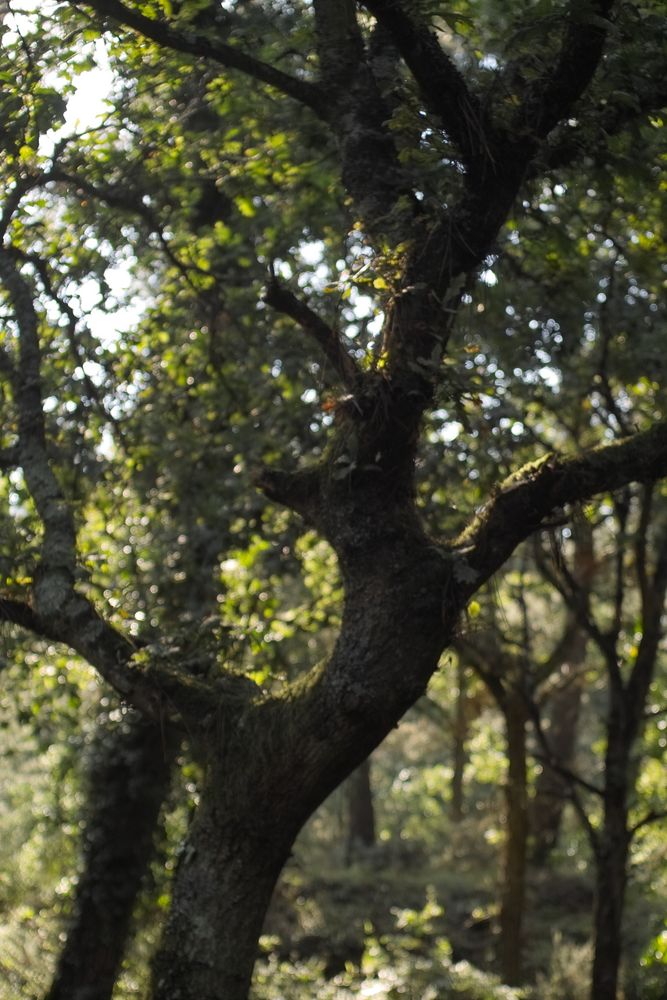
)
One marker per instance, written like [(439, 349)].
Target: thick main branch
[(443, 87), (551, 97)]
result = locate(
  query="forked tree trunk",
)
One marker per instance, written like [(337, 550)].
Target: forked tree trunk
[(268, 767), (128, 781), (514, 878)]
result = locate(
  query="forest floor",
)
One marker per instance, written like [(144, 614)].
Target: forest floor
[(328, 912)]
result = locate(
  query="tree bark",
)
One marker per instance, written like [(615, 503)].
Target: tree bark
[(613, 847), (459, 751), (128, 781), (514, 881), (610, 894), (269, 766), (361, 812), (551, 791), (222, 888)]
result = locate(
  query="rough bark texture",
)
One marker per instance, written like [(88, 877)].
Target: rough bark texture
[(128, 780), (307, 742), (222, 889)]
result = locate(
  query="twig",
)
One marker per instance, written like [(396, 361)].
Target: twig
[(284, 301), (651, 817)]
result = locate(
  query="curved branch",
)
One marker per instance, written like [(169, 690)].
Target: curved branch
[(58, 612), (550, 98), (196, 44), (81, 629), (284, 301), (443, 87), (115, 197), (19, 613), (58, 551), (528, 496)]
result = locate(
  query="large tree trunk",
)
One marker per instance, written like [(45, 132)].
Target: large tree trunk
[(514, 880), (222, 889), (268, 768), (128, 780)]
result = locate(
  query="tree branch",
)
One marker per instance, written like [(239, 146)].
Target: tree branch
[(300, 490), (651, 817), (551, 98), (122, 199), (528, 496), (640, 546), (652, 610), (284, 301), (19, 613), (197, 44), (573, 781), (443, 87), (552, 761), (577, 600), (58, 612), (55, 577), (479, 657)]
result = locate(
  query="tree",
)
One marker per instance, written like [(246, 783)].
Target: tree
[(426, 145), (630, 671), (128, 777), (518, 675)]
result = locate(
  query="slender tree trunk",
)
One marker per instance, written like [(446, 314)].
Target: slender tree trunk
[(612, 853), (514, 882), (610, 893), (551, 789), (128, 781), (361, 811), (460, 735)]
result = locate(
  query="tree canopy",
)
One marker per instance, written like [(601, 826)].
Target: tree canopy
[(331, 307)]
